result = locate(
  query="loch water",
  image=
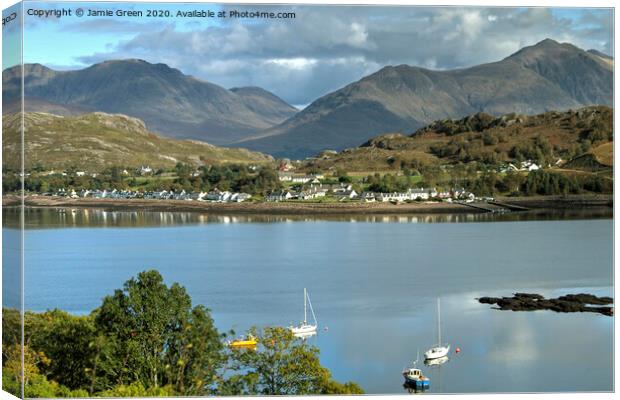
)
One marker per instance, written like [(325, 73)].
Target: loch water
[(373, 282)]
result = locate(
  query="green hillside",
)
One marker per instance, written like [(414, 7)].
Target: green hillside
[(548, 138), (96, 141)]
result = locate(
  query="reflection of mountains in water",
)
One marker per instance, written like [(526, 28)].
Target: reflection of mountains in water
[(66, 217)]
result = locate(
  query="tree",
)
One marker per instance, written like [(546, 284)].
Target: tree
[(157, 338), (65, 340), (284, 365)]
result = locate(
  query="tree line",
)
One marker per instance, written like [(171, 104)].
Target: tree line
[(147, 339), (238, 178), (490, 183)]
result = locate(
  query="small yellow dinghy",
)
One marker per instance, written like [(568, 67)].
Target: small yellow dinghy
[(247, 343)]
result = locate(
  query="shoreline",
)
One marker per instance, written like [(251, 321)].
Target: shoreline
[(574, 202)]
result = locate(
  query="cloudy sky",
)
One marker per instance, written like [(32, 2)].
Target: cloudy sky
[(322, 49)]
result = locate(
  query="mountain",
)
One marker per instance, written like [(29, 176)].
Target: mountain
[(98, 140), (169, 101), (582, 137), (539, 78)]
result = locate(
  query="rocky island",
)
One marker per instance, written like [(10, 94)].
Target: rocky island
[(569, 303)]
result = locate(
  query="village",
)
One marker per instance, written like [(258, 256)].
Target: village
[(294, 186), (307, 188)]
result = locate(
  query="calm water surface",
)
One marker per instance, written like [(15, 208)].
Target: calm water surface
[(373, 282)]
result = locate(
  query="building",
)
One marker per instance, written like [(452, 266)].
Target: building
[(280, 195), (347, 194)]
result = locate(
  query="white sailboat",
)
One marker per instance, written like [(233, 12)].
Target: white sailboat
[(438, 350), (304, 328)]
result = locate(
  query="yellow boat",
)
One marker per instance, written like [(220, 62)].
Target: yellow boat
[(249, 342)]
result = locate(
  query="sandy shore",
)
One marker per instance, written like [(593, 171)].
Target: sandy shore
[(288, 208)]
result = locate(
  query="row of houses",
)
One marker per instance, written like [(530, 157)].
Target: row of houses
[(285, 176), (213, 196), (345, 192), (314, 191), (418, 194), (527, 165)]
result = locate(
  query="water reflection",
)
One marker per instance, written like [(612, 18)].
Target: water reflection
[(412, 389), (43, 218), (436, 361)]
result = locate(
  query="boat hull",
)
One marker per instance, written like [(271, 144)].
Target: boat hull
[(417, 383), (304, 329), (437, 352)]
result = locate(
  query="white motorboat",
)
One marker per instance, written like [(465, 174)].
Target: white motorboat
[(438, 350), (304, 329)]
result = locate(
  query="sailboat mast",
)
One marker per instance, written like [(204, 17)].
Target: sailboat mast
[(438, 321), (305, 312)]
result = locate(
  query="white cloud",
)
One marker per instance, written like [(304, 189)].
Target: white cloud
[(298, 63)]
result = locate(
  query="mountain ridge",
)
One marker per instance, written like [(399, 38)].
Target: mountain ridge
[(543, 77), (169, 101)]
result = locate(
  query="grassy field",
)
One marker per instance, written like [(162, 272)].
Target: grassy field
[(605, 154)]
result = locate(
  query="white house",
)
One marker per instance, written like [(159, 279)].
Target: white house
[(199, 196), (395, 196), (312, 194), (367, 197), (218, 195), (347, 194), (280, 195), (240, 197), (284, 176)]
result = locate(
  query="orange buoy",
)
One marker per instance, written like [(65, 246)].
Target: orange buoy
[(458, 350)]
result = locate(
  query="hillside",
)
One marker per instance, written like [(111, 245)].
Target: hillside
[(539, 78), (169, 101), (95, 141), (600, 158), (481, 137)]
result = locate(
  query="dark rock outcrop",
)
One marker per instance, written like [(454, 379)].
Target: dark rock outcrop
[(581, 302)]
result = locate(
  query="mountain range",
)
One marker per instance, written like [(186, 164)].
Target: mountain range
[(169, 101), (539, 78)]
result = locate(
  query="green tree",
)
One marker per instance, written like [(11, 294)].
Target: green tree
[(157, 338), (65, 340), (284, 365)]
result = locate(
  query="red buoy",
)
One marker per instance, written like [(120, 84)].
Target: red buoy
[(458, 350)]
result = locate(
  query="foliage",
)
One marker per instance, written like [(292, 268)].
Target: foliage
[(388, 183), (147, 340), (235, 177), (284, 365), (136, 389), (65, 339), (157, 338)]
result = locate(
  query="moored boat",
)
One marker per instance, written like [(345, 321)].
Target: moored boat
[(414, 378), (438, 350), (305, 329), (248, 342)]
